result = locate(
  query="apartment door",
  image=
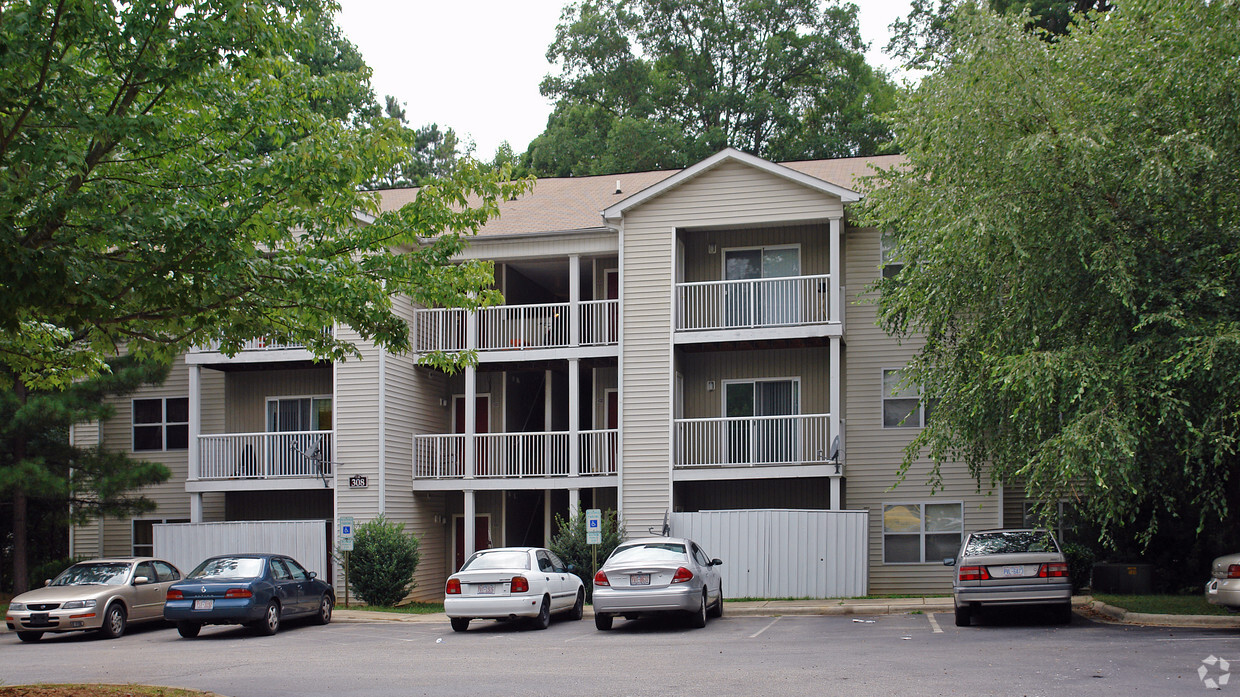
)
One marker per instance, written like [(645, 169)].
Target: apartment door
[(482, 536), (762, 302), (612, 419), (612, 289), (482, 424), (753, 440)]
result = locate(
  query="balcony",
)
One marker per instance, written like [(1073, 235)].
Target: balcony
[(259, 350), (796, 445), (293, 459), (794, 306), (516, 456), (517, 328)]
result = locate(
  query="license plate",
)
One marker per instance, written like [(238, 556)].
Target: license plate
[(1013, 571), (639, 579), (39, 619), (486, 589), (204, 604)]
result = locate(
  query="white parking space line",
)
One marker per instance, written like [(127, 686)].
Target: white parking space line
[(934, 624), (772, 624)]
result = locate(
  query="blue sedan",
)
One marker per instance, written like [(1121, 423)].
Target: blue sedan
[(257, 590)]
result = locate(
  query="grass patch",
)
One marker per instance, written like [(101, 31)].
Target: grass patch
[(86, 690), (409, 609), (1162, 604)]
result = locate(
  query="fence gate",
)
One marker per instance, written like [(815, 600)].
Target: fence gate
[(187, 544), (775, 553)]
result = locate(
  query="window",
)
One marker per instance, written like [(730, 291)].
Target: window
[(902, 403), (921, 533), (161, 424), (889, 256), (144, 534), (166, 571), (1065, 519), (762, 441), (765, 300)]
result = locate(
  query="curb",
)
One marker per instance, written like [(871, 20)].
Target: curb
[(1119, 614)]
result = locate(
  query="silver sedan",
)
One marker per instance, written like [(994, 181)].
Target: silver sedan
[(1224, 586), (658, 574), (1010, 567)]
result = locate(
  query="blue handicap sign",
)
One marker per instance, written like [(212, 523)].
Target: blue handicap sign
[(346, 530)]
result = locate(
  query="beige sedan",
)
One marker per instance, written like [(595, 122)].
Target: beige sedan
[(100, 594)]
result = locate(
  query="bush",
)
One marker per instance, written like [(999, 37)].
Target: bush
[(382, 562), (569, 544), (1080, 563), (41, 572)]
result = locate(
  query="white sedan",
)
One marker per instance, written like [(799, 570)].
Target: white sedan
[(511, 582)]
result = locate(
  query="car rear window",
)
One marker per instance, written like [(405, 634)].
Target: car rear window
[(1010, 542), (109, 574), (497, 560), (229, 568), (650, 551)]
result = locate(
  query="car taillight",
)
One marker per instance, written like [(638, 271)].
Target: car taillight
[(600, 579), (174, 595), (238, 593), (973, 573), (682, 575), (454, 586), (1055, 569), (1233, 571), (520, 584)]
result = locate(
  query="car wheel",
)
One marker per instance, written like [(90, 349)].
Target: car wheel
[(30, 636), (579, 607), (324, 614), (964, 616), (113, 621), (189, 630), (543, 620), (602, 621), (1063, 614), (698, 620), (459, 624), (716, 610), (270, 624)]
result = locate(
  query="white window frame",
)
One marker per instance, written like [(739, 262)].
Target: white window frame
[(1060, 517), (888, 255), (133, 545), (162, 424), (723, 258), (921, 534), (312, 397), (884, 397)]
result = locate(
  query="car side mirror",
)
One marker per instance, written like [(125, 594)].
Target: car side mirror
[(47, 581), (313, 575), (716, 562), (141, 580), (570, 568), (949, 561)]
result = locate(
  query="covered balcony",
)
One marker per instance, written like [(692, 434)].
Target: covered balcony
[(288, 459), (514, 328), (258, 350), (734, 447), (520, 460), (754, 303)]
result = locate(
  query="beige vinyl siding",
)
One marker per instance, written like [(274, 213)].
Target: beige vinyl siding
[(874, 453), (246, 393), (356, 407), (810, 366), (729, 195), (700, 265)]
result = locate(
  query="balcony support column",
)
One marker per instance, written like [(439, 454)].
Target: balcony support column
[(471, 420), (574, 419), (574, 300), (837, 406), (574, 502), (834, 301), (546, 516), (471, 527), (195, 429)]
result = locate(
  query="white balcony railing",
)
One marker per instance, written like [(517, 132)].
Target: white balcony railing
[(513, 455), (749, 441), (519, 327), (265, 455), (261, 343), (762, 302)]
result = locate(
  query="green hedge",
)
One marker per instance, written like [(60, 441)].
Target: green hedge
[(382, 562)]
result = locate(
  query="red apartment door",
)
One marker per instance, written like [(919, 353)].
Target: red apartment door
[(613, 315), (613, 423), (482, 537)]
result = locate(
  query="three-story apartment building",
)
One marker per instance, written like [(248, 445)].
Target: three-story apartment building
[(690, 340)]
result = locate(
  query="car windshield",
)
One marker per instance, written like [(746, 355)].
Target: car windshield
[(228, 568), (107, 574), (650, 551), (1010, 542), (497, 560)]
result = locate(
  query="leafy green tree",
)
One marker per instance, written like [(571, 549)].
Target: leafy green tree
[(1072, 249), (41, 472), (173, 173), (431, 154), (569, 544), (382, 562), (648, 84)]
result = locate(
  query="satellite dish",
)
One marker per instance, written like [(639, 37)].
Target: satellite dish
[(835, 450)]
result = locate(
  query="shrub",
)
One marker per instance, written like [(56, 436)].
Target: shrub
[(569, 544), (41, 572), (382, 562), (1080, 563)]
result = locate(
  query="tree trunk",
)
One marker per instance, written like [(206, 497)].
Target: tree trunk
[(21, 581)]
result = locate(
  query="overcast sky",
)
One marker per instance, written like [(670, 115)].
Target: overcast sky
[(475, 65)]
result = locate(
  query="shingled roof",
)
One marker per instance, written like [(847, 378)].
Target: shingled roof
[(566, 204)]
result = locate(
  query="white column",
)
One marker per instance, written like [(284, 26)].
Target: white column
[(470, 523), (836, 379), (195, 428), (574, 502), (546, 516), (834, 302), (574, 300), (574, 417), (195, 507), (471, 410), (547, 402)]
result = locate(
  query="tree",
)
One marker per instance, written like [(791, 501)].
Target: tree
[(383, 561), (41, 469), (569, 544), (1071, 241), (177, 173), (648, 84), (432, 154)]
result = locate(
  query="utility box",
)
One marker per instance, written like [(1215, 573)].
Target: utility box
[(1124, 579)]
